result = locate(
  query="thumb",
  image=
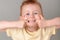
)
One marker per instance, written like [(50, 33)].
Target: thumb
[(42, 17), (21, 18)]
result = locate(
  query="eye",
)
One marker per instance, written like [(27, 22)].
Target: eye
[(27, 14), (35, 13)]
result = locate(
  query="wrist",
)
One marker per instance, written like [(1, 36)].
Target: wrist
[(48, 23)]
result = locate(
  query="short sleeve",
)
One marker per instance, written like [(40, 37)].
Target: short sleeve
[(53, 30), (13, 32), (9, 32)]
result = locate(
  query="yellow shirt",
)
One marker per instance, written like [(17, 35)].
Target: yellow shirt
[(22, 34)]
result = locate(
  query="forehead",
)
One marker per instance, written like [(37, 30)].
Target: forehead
[(31, 7)]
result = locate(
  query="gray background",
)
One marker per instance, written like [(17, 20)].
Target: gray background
[(10, 10)]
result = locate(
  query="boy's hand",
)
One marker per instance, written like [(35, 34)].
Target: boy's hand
[(41, 21), (47, 23), (20, 23)]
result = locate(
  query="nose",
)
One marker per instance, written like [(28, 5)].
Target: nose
[(32, 16), (31, 19)]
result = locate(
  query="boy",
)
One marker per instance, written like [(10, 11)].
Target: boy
[(32, 25)]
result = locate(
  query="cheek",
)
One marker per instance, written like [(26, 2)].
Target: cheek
[(37, 17), (26, 17)]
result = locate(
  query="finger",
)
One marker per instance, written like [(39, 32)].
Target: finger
[(21, 18), (26, 19), (37, 18), (41, 17)]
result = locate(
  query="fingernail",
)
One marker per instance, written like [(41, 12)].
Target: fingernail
[(25, 18)]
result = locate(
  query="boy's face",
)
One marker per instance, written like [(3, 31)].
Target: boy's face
[(31, 12)]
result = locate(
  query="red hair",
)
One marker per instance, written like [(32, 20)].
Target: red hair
[(27, 2)]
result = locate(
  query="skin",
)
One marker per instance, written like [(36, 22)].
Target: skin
[(32, 14), (31, 18)]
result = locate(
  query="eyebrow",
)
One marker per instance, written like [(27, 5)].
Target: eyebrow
[(37, 10), (33, 11)]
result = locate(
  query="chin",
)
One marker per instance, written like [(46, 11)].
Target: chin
[(33, 26)]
